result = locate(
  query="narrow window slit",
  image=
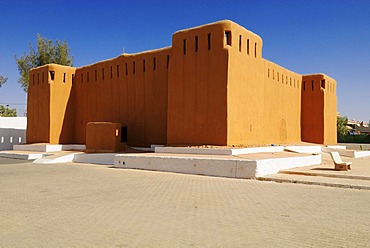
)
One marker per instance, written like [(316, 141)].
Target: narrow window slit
[(240, 43), (196, 44), (248, 46), (228, 38), (209, 41)]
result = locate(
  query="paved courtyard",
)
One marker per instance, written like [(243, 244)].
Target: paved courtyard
[(82, 205)]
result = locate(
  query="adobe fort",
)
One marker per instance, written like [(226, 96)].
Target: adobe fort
[(211, 87)]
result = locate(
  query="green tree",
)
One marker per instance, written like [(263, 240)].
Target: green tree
[(7, 112), (47, 52), (2, 80), (342, 126)]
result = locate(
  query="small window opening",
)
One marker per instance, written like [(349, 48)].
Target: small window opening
[(168, 60), (124, 134), (304, 85), (323, 83), (96, 75), (228, 38), (43, 74), (126, 69), (248, 46), (144, 65), (255, 49), (290, 81), (82, 77), (33, 79), (240, 43), (111, 72), (154, 64), (312, 85), (209, 41), (268, 72), (52, 75), (102, 73), (117, 70), (282, 78), (278, 76), (286, 79), (196, 44), (273, 74), (88, 76), (184, 46), (38, 78), (64, 77), (133, 68)]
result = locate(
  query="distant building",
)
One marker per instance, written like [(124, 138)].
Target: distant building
[(211, 87)]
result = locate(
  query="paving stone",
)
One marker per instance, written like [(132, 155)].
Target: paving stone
[(83, 205)]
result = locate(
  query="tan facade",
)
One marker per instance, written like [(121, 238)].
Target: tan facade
[(211, 87)]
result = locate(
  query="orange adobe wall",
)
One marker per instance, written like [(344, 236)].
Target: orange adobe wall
[(197, 87), (222, 92), (212, 87), (50, 112), (131, 90), (319, 104), (263, 98)]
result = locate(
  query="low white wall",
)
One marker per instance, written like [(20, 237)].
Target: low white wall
[(217, 151), (304, 149), (95, 158), (273, 166), (13, 122), (12, 132), (10, 137), (188, 165)]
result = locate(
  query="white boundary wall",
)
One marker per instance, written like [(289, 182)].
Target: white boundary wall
[(12, 132)]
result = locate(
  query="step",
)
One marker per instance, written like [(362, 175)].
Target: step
[(318, 180)]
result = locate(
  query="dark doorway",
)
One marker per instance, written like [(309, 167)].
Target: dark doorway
[(123, 134)]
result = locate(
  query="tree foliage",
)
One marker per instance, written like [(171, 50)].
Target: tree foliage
[(342, 125), (7, 112), (47, 52), (2, 80)]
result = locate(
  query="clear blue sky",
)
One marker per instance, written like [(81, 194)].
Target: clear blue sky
[(331, 37)]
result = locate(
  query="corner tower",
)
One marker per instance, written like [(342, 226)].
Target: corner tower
[(50, 111), (319, 108)]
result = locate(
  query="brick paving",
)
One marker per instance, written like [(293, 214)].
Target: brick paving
[(82, 205)]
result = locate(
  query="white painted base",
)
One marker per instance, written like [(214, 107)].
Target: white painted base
[(218, 151), (347, 153), (273, 166), (188, 165), (337, 147), (48, 147), (95, 158), (55, 159), (24, 156), (304, 149), (213, 166)]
